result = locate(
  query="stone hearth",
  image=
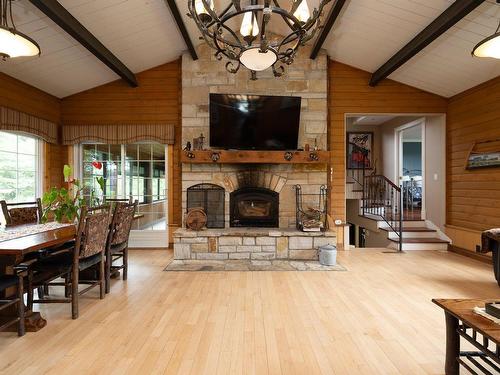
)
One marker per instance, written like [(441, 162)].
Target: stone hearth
[(249, 243)]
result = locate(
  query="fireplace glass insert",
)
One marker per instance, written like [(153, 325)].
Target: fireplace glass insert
[(254, 207)]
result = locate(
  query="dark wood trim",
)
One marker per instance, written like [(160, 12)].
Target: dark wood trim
[(332, 17), (59, 15), (470, 254), (182, 28), (453, 14)]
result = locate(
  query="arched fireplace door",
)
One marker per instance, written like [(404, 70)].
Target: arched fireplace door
[(254, 207)]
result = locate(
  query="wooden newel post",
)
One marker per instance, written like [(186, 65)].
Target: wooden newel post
[(452, 366)]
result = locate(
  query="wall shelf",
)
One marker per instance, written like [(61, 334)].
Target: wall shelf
[(257, 157)]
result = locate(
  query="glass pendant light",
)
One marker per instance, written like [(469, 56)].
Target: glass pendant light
[(489, 47), (12, 42)]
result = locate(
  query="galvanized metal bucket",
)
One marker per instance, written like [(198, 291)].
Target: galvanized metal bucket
[(328, 255)]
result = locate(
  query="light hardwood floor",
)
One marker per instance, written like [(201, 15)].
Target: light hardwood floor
[(376, 318)]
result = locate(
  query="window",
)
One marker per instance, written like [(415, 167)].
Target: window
[(19, 167), (136, 170)]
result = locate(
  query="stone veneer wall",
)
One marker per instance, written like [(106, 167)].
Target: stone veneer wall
[(305, 78)]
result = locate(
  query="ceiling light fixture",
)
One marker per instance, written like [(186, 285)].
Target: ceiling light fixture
[(12, 42), (490, 46), (240, 33)]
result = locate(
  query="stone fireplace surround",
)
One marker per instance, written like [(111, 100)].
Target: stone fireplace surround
[(305, 78)]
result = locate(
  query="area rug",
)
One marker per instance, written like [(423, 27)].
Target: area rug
[(249, 265)]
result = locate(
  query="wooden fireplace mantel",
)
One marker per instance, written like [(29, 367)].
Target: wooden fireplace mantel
[(260, 157)]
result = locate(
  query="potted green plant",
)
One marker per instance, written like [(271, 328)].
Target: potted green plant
[(64, 204)]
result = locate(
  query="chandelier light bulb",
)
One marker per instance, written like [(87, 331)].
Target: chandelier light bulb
[(200, 7), (249, 26), (302, 12)]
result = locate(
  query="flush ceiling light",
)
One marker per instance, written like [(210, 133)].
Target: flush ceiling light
[(490, 46), (240, 33), (12, 42)]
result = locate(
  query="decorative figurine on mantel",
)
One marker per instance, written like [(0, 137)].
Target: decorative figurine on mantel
[(187, 147), (199, 143), (316, 148)]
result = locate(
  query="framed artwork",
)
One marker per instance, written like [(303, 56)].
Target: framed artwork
[(484, 154), (359, 150)]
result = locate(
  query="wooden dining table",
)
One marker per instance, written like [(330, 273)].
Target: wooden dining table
[(17, 248)]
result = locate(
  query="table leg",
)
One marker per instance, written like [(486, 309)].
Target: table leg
[(452, 367), (32, 319)]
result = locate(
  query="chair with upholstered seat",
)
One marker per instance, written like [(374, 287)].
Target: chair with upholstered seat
[(9, 281), (111, 201), (22, 213), (117, 244), (89, 251)]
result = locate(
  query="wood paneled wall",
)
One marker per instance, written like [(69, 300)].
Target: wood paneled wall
[(473, 196), (349, 93), (25, 98), (156, 100)]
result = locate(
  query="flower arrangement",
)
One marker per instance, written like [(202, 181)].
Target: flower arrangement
[(64, 204)]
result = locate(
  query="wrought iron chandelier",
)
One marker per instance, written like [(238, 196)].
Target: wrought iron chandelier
[(12, 42), (240, 33)]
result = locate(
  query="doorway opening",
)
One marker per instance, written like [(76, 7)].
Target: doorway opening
[(387, 174), (410, 168)]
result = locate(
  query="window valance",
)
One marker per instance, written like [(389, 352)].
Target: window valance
[(13, 120), (118, 134)]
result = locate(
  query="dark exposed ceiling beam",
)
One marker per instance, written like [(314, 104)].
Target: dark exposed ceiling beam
[(182, 28), (332, 17), (455, 12), (57, 13)]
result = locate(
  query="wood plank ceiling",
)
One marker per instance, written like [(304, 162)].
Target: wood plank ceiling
[(143, 34), (369, 32)]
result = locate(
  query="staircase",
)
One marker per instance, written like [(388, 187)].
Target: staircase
[(417, 235), (382, 201)]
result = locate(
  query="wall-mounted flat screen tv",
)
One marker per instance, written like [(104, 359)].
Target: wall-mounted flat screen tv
[(254, 122)]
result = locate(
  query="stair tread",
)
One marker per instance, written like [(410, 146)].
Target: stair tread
[(410, 229), (420, 240), (377, 218)]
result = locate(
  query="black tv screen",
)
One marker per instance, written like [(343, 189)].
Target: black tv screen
[(254, 122)]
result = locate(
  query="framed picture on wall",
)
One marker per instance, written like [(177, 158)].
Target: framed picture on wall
[(484, 154), (359, 150)]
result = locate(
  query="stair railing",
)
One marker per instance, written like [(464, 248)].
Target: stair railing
[(383, 198)]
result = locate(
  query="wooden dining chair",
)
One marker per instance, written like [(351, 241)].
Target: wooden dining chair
[(22, 213), (130, 200), (88, 251), (9, 281), (117, 243)]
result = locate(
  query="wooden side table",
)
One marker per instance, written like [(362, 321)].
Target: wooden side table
[(480, 332)]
